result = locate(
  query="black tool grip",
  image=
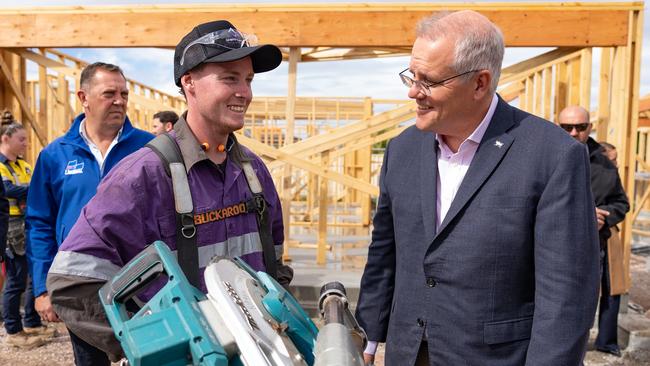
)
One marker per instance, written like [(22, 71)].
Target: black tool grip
[(333, 286), (136, 274)]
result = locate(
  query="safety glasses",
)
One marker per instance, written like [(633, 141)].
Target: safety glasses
[(229, 39)]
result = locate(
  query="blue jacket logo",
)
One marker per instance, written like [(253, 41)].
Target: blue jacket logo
[(74, 168)]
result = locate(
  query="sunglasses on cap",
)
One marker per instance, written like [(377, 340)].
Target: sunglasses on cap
[(580, 127), (230, 39)]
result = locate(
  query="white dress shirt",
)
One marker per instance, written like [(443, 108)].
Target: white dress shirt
[(94, 149), (452, 167)]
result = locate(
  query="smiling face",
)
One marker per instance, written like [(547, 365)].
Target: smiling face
[(445, 110), (221, 93), (104, 99)]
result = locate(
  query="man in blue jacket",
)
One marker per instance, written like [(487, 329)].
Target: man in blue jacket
[(67, 174)]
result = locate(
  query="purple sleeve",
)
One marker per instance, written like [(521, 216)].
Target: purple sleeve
[(121, 219)]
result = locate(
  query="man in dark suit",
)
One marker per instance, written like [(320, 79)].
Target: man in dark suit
[(484, 249), (611, 207)]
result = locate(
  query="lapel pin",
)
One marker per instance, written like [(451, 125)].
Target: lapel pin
[(498, 144)]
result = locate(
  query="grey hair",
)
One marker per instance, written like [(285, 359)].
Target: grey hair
[(478, 42)]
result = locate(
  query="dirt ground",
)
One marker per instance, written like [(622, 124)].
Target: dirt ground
[(58, 351)]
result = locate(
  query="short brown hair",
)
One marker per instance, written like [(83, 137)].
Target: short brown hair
[(166, 116), (90, 71)]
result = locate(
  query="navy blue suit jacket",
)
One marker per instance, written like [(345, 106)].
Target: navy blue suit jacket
[(511, 276)]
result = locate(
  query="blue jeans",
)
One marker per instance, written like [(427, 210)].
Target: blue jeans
[(86, 354), (17, 283)]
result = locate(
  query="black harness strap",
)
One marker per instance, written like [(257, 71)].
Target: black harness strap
[(188, 254), (263, 222)]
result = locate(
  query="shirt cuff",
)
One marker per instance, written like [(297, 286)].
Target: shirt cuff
[(371, 348)]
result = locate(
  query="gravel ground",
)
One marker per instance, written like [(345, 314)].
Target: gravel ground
[(57, 352)]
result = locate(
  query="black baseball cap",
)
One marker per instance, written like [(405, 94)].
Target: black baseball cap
[(219, 41)]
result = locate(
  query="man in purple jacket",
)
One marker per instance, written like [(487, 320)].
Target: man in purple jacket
[(214, 66)]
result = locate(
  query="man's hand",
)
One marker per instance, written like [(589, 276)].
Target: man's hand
[(600, 217), (368, 359), (44, 308)]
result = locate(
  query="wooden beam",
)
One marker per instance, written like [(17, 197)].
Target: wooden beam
[(22, 101), (512, 91), (310, 25), (524, 68), (350, 132), (270, 151)]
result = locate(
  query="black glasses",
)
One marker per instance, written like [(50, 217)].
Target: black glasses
[(426, 86), (580, 127)]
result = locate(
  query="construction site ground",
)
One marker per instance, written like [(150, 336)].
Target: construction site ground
[(310, 277)]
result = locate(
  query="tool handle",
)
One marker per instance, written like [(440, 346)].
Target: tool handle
[(138, 273)]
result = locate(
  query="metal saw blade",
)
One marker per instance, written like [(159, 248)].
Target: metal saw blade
[(237, 296)]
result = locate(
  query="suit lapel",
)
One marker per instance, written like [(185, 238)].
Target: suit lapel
[(428, 185), (491, 150)]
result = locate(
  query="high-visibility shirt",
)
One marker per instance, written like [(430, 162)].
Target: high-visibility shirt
[(16, 176)]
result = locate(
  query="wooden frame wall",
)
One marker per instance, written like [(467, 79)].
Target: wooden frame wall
[(335, 162)]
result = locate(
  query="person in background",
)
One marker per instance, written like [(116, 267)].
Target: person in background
[(16, 174), (611, 206), (610, 152), (163, 122), (67, 174)]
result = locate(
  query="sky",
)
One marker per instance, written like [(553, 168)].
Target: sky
[(376, 78)]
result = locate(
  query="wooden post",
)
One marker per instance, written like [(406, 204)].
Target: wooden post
[(604, 93), (538, 100), (560, 88), (574, 82), (77, 85), (526, 103), (322, 212), (585, 78), (366, 173), (287, 197), (62, 98), (547, 75), (630, 99)]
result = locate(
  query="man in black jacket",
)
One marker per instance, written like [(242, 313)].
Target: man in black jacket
[(611, 206)]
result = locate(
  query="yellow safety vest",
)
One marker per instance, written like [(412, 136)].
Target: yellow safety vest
[(20, 176)]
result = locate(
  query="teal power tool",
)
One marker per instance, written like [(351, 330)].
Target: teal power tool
[(246, 318)]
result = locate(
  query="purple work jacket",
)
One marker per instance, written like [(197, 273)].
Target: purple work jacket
[(134, 206)]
